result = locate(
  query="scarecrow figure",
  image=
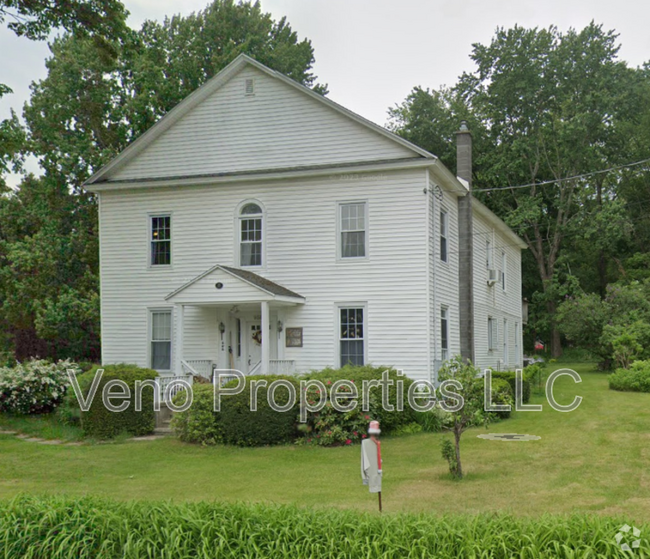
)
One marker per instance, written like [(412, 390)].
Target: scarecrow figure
[(371, 460)]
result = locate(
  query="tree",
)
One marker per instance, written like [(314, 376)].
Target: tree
[(35, 19), (616, 328), (543, 106), (471, 412), (48, 272), (104, 21)]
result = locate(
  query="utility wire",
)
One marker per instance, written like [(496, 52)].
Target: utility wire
[(555, 181), (488, 235)]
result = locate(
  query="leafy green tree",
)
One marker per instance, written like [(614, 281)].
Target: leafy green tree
[(35, 19), (614, 328), (543, 107), (471, 413), (48, 272)]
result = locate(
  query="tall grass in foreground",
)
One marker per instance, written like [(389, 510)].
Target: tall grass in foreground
[(57, 528)]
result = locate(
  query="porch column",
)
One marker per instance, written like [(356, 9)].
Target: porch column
[(179, 339), (266, 335)]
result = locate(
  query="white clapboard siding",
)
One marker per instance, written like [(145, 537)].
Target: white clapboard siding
[(446, 273), (494, 301), (278, 127), (301, 242)]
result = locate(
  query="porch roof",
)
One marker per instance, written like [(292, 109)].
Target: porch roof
[(224, 284)]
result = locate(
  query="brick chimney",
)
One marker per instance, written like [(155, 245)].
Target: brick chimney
[(464, 153), (466, 244)]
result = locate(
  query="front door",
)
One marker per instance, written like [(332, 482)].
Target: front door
[(253, 344)]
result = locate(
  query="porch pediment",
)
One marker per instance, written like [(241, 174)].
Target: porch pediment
[(225, 285)]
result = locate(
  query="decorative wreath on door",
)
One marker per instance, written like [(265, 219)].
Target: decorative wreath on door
[(257, 337)]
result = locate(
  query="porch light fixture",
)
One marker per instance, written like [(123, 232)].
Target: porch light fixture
[(280, 326), (222, 328)]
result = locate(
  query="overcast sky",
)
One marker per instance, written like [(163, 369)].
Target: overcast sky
[(373, 52)]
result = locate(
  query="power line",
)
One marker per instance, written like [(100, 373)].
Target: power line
[(488, 234), (555, 181)]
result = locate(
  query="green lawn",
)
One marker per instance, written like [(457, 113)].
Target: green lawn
[(594, 459)]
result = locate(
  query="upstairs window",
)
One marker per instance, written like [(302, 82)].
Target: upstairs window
[(504, 267), (250, 239), (444, 226), (161, 240), (444, 333), (353, 227)]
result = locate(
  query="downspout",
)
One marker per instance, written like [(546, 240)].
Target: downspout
[(432, 290)]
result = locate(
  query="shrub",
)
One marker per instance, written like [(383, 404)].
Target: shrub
[(69, 412), (510, 378), (200, 423), (101, 423), (352, 426), (432, 421), (448, 452), (634, 379), (614, 328), (502, 395), (242, 427), (534, 373), (33, 387)]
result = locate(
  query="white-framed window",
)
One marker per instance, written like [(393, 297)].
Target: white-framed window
[(353, 229), (444, 333), (505, 341), (493, 334), (488, 255), (160, 238), (444, 232), (504, 268), (352, 332), (160, 339), (517, 360), (251, 235)]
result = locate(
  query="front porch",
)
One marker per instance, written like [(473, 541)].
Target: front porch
[(230, 319)]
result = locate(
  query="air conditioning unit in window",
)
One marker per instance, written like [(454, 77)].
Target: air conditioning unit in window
[(493, 276)]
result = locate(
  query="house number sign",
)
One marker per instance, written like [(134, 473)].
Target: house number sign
[(294, 337)]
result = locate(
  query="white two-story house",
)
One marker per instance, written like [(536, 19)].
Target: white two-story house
[(260, 226)]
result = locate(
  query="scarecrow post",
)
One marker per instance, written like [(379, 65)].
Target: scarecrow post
[(371, 466)]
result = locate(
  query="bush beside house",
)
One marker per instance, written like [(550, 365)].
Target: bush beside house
[(241, 426), (200, 423), (236, 424), (33, 387), (99, 422), (511, 378)]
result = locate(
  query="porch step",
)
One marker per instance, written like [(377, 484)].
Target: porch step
[(163, 431), (164, 416)]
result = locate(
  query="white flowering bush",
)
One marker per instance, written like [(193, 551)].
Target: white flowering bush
[(33, 387)]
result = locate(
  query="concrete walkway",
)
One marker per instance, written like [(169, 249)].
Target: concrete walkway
[(30, 439), (57, 442)]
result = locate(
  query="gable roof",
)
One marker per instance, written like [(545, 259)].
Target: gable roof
[(214, 84), (267, 286)]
